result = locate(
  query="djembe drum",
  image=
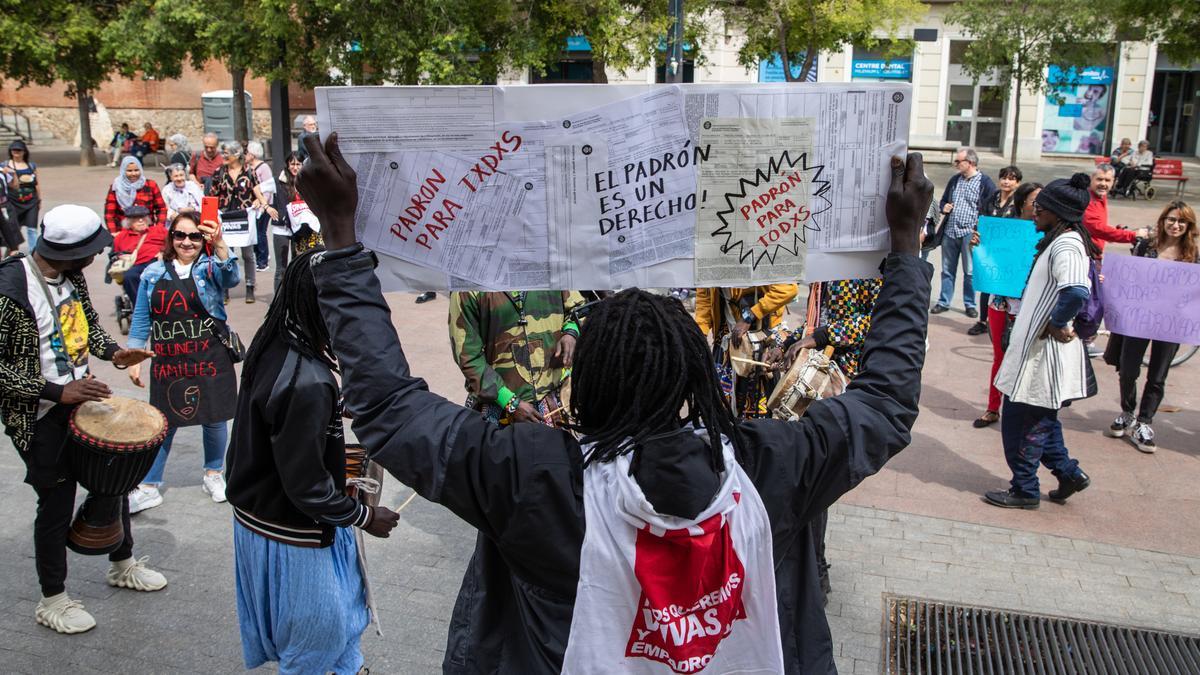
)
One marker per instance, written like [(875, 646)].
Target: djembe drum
[(112, 445), (812, 377)]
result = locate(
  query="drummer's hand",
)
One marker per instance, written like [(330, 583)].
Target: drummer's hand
[(80, 391), (526, 413), (907, 203), (383, 521), (124, 358), (739, 331), (774, 358), (564, 351), (135, 375), (330, 188), (793, 352)]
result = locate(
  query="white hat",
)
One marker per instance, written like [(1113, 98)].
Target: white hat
[(71, 232)]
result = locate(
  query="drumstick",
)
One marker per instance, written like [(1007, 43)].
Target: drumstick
[(751, 362), (555, 411)]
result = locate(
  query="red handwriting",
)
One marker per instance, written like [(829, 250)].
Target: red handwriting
[(793, 221), (409, 224), (163, 304), (181, 348), (487, 164), (178, 371), (764, 200)]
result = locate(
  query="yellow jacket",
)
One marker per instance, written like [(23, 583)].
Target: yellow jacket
[(767, 303)]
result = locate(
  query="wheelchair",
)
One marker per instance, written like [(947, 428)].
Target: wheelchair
[(124, 312), (1141, 184)]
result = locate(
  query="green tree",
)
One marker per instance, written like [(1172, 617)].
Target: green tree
[(624, 34), (48, 41), (799, 30), (1020, 39), (1174, 26)]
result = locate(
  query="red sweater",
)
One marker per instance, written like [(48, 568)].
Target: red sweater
[(1095, 219), (127, 240), (148, 196)]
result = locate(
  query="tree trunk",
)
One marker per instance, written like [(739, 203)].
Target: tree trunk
[(86, 156), (1016, 114), (241, 132), (599, 74), (784, 59), (810, 57)]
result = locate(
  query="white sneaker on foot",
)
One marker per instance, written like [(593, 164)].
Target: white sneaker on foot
[(144, 497), (61, 613), (1121, 426), (134, 574), (214, 485), (1142, 438)]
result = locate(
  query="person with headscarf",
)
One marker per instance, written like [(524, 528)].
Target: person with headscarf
[(24, 193), (179, 152), (132, 187)]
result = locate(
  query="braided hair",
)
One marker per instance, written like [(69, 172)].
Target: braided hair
[(641, 361), (295, 318)]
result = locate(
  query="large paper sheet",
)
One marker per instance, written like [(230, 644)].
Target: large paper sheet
[(763, 199), (1151, 298), (1004, 256), (541, 216)]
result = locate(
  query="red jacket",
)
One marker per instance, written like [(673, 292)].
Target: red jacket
[(149, 196), (1095, 219), (127, 240)]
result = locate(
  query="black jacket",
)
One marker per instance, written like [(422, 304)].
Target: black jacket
[(521, 486), (286, 465)]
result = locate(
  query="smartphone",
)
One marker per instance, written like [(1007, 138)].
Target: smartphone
[(209, 211)]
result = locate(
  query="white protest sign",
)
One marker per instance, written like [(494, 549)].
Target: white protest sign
[(574, 186), (299, 215)]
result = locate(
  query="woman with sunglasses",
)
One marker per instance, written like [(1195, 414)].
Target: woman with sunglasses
[(180, 314), (1174, 238)]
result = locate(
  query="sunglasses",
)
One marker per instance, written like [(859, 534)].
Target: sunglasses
[(193, 236)]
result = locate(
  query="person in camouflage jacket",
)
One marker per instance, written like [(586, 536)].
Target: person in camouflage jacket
[(515, 350)]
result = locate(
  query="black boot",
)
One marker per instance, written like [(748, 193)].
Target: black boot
[(1007, 499), (1069, 486)]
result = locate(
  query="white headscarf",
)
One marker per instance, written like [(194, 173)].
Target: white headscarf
[(126, 190)]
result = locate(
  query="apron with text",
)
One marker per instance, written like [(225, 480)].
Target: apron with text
[(192, 380)]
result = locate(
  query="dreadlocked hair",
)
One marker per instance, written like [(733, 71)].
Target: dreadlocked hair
[(640, 362), (294, 317)]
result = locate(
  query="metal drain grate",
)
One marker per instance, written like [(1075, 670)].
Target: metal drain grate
[(923, 636)]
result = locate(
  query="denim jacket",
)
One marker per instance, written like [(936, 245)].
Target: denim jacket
[(213, 277)]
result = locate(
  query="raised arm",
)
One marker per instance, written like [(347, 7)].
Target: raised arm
[(444, 451), (804, 466)]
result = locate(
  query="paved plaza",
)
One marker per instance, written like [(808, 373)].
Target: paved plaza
[(1127, 550)]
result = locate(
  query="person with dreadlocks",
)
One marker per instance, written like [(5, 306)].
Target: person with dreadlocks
[(658, 535), (300, 594), (1045, 366)]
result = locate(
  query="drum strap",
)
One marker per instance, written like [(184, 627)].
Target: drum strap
[(37, 273)]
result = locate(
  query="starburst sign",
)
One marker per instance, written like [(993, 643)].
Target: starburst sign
[(773, 211)]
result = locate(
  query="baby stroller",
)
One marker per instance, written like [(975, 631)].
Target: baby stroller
[(123, 303)]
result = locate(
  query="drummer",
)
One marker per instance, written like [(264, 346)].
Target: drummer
[(731, 315), (51, 330), (192, 381)]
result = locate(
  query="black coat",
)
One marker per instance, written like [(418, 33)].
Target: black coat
[(522, 486)]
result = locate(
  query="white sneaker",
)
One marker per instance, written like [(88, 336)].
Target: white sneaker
[(214, 484), (63, 614), (134, 574), (1142, 438), (144, 497), (1121, 426)]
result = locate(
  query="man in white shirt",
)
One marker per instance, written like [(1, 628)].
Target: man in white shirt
[(1046, 366), (48, 332), (266, 184)]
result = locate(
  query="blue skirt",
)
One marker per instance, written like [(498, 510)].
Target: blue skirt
[(303, 607)]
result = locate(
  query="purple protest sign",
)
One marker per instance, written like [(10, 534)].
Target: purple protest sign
[(1152, 298)]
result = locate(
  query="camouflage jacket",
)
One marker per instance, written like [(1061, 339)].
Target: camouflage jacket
[(498, 355)]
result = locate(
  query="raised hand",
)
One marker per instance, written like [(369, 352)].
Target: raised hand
[(330, 188), (907, 203)]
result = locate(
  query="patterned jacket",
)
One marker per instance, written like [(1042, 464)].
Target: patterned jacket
[(498, 355), (21, 381), (844, 316)]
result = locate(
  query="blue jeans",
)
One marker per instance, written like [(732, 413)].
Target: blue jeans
[(262, 250), (1033, 435), (953, 249), (216, 435)]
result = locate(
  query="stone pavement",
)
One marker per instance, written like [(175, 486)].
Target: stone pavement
[(1128, 549)]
